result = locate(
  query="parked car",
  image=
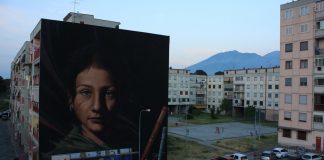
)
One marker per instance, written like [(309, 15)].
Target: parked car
[(268, 155), (280, 152), (311, 156), (238, 156), (4, 117), (222, 158)]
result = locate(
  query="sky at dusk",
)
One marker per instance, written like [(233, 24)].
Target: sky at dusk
[(197, 29)]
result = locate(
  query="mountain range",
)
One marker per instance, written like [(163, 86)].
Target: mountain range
[(236, 60)]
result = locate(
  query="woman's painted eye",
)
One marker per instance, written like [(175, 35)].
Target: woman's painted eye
[(110, 93), (85, 92)]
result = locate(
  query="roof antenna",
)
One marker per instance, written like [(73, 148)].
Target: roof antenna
[(75, 2)]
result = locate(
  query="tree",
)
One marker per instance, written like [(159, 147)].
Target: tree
[(200, 72), (219, 73), (2, 86), (249, 112), (212, 112), (226, 106)]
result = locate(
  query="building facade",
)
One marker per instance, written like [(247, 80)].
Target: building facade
[(301, 76), (242, 88), (25, 75)]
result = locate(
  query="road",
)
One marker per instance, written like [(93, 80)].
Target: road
[(7, 149)]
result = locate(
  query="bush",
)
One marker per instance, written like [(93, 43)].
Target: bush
[(190, 116)]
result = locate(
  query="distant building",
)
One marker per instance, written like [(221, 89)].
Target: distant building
[(24, 97), (301, 74)]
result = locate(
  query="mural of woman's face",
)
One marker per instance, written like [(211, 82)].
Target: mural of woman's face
[(95, 97)]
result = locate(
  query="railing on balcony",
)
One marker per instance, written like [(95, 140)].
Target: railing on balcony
[(318, 126), (319, 33), (238, 105), (240, 89), (319, 51), (319, 107)]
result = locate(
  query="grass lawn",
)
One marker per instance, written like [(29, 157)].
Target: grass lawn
[(249, 143), (179, 149)]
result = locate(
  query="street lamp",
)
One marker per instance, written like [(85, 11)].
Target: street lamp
[(139, 132)]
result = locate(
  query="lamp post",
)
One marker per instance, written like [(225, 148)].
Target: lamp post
[(139, 131)]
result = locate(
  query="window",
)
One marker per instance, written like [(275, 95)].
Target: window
[(255, 86), (303, 81), (255, 95), (209, 86), (261, 78), (255, 103), (321, 25), (276, 86), (247, 102), (304, 46), (303, 28), (255, 78), (288, 64), (261, 94), (261, 103), (302, 117), (301, 135), (288, 13), (304, 11), (288, 99), (269, 86), (302, 99), (287, 115), (269, 95), (219, 86), (276, 104), (289, 47), (286, 133), (269, 103), (277, 77), (248, 78), (261, 86), (318, 118), (247, 94), (288, 81), (319, 81), (319, 62), (303, 63), (181, 93), (276, 95), (248, 86), (214, 86), (289, 30)]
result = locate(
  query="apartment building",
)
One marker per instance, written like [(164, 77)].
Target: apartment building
[(181, 93), (243, 87), (25, 75), (215, 91), (257, 87), (301, 76)]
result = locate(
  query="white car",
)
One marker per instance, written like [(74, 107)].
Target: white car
[(267, 155), (280, 152), (311, 156), (239, 156)]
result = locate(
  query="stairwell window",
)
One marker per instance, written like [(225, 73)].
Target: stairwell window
[(304, 11), (304, 46), (303, 99), (304, 28), (303, 64), (287, 115), (302, 117), (288, 65), (288, 47), (303, 81), (288, 81)]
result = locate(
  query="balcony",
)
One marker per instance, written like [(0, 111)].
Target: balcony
[(319, 15), (241, 89), (238, 105), (319, 51), (318, 126), (319, 33), (319, 89), (319, 107)]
